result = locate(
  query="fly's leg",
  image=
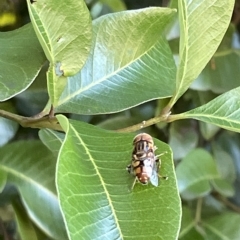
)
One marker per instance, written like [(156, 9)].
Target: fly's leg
[(158, 162), (128, 168), (157, 156), (134, 182)]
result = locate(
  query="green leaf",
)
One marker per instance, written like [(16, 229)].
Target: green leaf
[(21, 59), (223, 187), (3, 179), (64, 31), (196, 190), (25, 226), (196, 172), (224, 226), (187, 222), (230, 142), (183, 138), (56, 84), (208, 130), (31, 168), (224, 159), (198, 167), (34, 99), (94, 188), (201, 98), (223, 111), (116, 5), (202, 27), (193, 234), (188, 229), (128, 55), (220, 74), (51, 139), (222, 66)]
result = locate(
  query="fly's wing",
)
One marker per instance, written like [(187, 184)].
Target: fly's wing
[(154, 179), (154, 176)]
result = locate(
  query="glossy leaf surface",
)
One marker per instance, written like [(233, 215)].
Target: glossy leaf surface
[(21, 59), (202, 27), (128, 53), (51, 139), (64, 31), (33, 175), (94, 188), (200, 98), (223, 111)]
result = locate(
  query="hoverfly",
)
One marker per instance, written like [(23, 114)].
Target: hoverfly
[(145, 164)]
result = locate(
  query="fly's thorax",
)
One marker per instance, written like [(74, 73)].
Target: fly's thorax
[(142, 154), (143, 143)]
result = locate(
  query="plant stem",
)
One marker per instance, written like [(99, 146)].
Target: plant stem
[(198, 211), (227, 202), (44, 122), (152, 121)]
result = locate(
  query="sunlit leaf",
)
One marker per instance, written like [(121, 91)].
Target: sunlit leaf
[(223, 111), (128, 53), (94, 188), (202, 27), (64, 31)]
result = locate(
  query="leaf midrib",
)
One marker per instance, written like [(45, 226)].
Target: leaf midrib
[(101, 180), (105, 78), (27, 179)]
